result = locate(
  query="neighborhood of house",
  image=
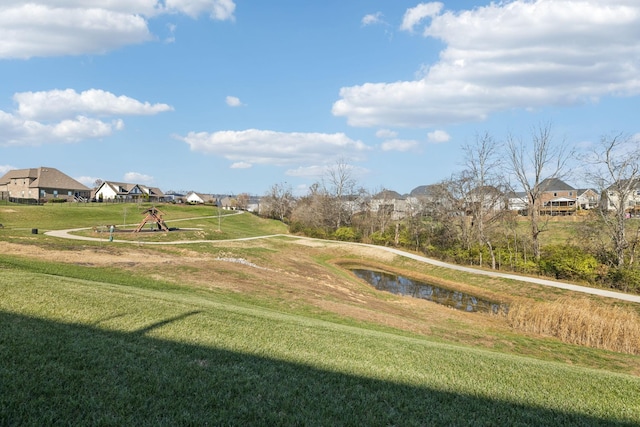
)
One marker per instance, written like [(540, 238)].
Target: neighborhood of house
[(44, 184)]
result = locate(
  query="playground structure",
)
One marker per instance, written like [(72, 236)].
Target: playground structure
[(153, 215)]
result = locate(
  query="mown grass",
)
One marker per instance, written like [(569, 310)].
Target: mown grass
[(94, 352), (98, 345), (210, 224)]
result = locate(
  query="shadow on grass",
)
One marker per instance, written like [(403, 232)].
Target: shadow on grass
[(60, 374)]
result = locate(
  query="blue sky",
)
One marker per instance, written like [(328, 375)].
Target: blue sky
[(231, 96)]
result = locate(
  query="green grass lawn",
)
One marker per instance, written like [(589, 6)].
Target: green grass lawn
[(109, 346), (89, 352)]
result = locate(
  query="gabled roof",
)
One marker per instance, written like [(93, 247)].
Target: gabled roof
[(581, 191), (424, 190), (121, 188), (152, 191), (517, 195), (633, 184), (388, 195), (555, 184), (44, 177)]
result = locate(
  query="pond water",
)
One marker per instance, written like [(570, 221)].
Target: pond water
[(451, 298)]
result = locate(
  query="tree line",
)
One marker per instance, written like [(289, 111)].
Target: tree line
[(466, 219)]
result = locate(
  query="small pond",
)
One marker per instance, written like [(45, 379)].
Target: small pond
[(451, 298)]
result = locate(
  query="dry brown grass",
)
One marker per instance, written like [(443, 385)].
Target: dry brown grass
[(580, 321)]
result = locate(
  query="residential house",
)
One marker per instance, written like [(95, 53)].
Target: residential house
[(488, 198), (631, 203), (111, 191), (40, 185), (557, 198), (588, 198), (200, 198), (425, 198), (517, 201), (174, 197), (389, 202)]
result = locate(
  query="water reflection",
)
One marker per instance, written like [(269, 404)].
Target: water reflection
[(403, 286)]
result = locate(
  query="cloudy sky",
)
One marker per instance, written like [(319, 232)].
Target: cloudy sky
[(230, 96)]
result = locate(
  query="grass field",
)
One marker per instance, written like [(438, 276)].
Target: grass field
[(270, 332)]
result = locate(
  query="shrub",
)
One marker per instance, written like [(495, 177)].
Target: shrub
[(346, 234), (624, 278), (568, 262)]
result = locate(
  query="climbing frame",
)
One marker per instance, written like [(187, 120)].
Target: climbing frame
[(153, 215)]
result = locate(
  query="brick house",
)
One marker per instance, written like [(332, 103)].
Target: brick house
[(40, 185)]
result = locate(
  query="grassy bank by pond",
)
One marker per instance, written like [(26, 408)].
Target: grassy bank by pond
[(78, 351)]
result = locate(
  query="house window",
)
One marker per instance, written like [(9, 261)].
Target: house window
[(69, 193), (555, 194), (55, 193), (570, 193)]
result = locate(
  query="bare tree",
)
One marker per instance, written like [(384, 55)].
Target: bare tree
[(242, 201), (339, 183), (486, 195), (278, 202), (313, 210), (615, 171), (530, 165)]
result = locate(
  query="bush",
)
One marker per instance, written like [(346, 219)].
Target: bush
[(568, 262), (381, 239), (346, 234), (624, 278)]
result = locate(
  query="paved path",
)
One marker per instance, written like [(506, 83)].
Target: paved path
[(544, 282)]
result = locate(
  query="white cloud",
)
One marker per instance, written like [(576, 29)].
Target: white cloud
[(137, 178), (386, 133), (399, 145), (415, 15), (372, 18), (313, 171), (217, 9), (233, 101), (241, 165), (75, 27), (66, 116), (316, 172), (276, 148), (517, 54), (61, 103), (17, 131), (438, 136)]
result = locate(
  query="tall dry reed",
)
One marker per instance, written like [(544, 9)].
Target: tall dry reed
[(580, 321)]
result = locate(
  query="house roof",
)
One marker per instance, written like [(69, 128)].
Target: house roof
[(389, 195), (120, 187), (124, 188), (424, 190), (44, 177), (581, 191), (555, 184), (517, 194)]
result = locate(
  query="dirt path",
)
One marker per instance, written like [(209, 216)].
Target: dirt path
[(544, 282)]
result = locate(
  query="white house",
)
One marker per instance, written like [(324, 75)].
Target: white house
[(200, 198), (632, 199), (127, 192)]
